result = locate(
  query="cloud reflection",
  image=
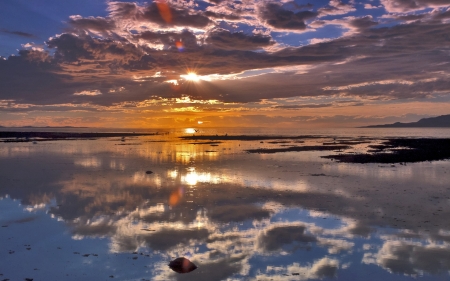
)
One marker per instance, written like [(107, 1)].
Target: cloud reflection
[(237, 215)]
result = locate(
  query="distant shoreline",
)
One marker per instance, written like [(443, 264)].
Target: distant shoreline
[(42, 136), (46, 127)]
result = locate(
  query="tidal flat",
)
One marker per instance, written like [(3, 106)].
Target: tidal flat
[(123, 207)]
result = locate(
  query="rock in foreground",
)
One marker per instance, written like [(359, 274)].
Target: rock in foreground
[(182, 265)]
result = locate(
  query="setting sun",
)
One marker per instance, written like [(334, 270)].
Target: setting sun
[(191, 76)]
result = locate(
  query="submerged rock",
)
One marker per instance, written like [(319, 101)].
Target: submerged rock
[(182, 265)]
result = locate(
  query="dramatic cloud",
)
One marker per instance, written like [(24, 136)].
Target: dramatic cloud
[(185, 39), (71, 48), (98, 24), (336, 7), (161, 13), (400, 6), (223, 39), (276, 16)]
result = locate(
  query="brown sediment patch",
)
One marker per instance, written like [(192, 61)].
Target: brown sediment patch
[(298, 148), (46, 136), (400, 150)]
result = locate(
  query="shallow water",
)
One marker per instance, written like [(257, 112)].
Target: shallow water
[(87, 209)]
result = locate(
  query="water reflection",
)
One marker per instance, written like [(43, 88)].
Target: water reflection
[(254, 217)]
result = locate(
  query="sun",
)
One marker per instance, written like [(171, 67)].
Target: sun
[(191, 76)]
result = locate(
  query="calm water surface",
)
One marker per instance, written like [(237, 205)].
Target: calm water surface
[(87, 210)]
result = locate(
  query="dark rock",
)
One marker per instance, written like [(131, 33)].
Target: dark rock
[(182, 265), (149, 172)]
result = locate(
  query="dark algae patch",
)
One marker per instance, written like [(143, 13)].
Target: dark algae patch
[(298, 148), (400, 150)]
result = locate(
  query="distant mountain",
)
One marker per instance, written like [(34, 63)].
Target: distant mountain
[(442, 121)]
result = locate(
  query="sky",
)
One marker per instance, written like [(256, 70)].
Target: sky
[(220, 63)]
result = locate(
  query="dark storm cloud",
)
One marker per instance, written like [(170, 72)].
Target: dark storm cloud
[(223, 39), (275, 238), (98, 24), (17, 33), (276, 16)]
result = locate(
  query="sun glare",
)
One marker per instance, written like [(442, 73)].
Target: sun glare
[(191, 76)]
